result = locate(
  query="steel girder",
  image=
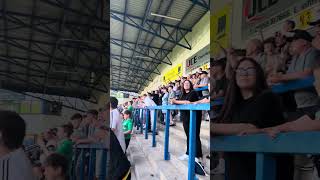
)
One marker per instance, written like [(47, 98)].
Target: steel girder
[(190, 8), (202, 3)]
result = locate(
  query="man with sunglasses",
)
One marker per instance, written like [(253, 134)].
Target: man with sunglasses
[(316, 40)]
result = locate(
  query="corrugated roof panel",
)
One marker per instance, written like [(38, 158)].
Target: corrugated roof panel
[(137, 7)]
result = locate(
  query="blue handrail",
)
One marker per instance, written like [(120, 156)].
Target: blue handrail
[(202, 88), (88, 155), (192, 108), (264, 147)]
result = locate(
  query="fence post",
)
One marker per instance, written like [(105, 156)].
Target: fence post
[(141, 121), (192, 140), (154, 143), (103, 165), (82, 161), (166, 137), (265, 167), (147, 124), (92, 163)]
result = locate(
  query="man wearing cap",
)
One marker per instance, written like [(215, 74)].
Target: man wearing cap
[(204, 81), (316, 40), (305, 59)]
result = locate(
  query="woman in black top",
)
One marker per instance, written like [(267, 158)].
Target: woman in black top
[(249, 104), (187, 96)]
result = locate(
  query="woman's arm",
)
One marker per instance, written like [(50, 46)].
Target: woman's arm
[(230, 129), (174, 101)]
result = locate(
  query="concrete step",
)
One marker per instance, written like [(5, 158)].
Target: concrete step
[(166, 169), (139, 162)]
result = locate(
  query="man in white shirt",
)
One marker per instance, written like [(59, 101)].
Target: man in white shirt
[(14, 164), (149, 102), (116, 122)]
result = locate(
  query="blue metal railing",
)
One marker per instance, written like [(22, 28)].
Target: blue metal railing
[(84, 164), (192, 130), (265, 147), (202, 88)]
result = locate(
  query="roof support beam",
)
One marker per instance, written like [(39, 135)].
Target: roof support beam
[(134, 23), (202, 3)]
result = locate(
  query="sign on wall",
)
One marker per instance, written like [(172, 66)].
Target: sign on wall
[(199, 60), (172, 74), (265, 17), (220, 26)]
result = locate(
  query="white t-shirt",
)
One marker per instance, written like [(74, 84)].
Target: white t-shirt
[(116, 123), (16, 166), (149, 102)]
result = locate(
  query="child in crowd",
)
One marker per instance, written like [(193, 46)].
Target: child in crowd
[(127, 126), (56, 167), (14, 164)]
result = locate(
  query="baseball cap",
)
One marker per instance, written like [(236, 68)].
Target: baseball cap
[(203, 72), (314, 23), (301, 34)]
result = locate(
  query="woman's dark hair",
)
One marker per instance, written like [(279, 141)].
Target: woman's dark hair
[(58, 161), (182, 87), (233, 95), (165, 88), (68, 129), (127, 112), (113, 102), (12, 129)]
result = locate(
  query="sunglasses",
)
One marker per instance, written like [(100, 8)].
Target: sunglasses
[(251, 71)]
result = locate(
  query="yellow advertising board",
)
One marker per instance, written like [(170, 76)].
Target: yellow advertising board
[(220, 26), (172, 74)]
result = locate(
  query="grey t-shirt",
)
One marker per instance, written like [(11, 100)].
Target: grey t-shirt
[(308, 60), (16, 166), (205, 81)]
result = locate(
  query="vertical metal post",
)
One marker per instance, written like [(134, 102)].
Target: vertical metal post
[(166, 137), (154, 143), (92, 163), (192, 140), (103, 165), (265, 167), (141, 121), (82, 161), (147, 124)]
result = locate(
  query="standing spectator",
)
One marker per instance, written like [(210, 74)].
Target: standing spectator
[(14, 164), (254, 50), (172, 96), (218, 70), (204, 81), (149, 102), (78, 131), (274, 62), (165, 100), (130, 107), (233, 57), (116, 122), (156, 97), (127, 126), (248, 104), (316, 40), (288, 26), (56, 167)]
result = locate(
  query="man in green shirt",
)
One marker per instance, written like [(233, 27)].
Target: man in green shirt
[(65, 145), (127, 126)]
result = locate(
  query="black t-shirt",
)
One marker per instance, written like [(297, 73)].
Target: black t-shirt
[(263, 111), (192, 97), (221, 84)]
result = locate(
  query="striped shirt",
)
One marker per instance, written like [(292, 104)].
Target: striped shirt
[(15, 166)]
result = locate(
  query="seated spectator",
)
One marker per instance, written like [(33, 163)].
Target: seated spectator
[(56, 167), (249, 104), (14, 164), (127, 126)]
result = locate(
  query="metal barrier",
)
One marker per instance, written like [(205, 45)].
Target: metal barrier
[(202, 88), (84, 162), (192, 130), (265, 147)]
